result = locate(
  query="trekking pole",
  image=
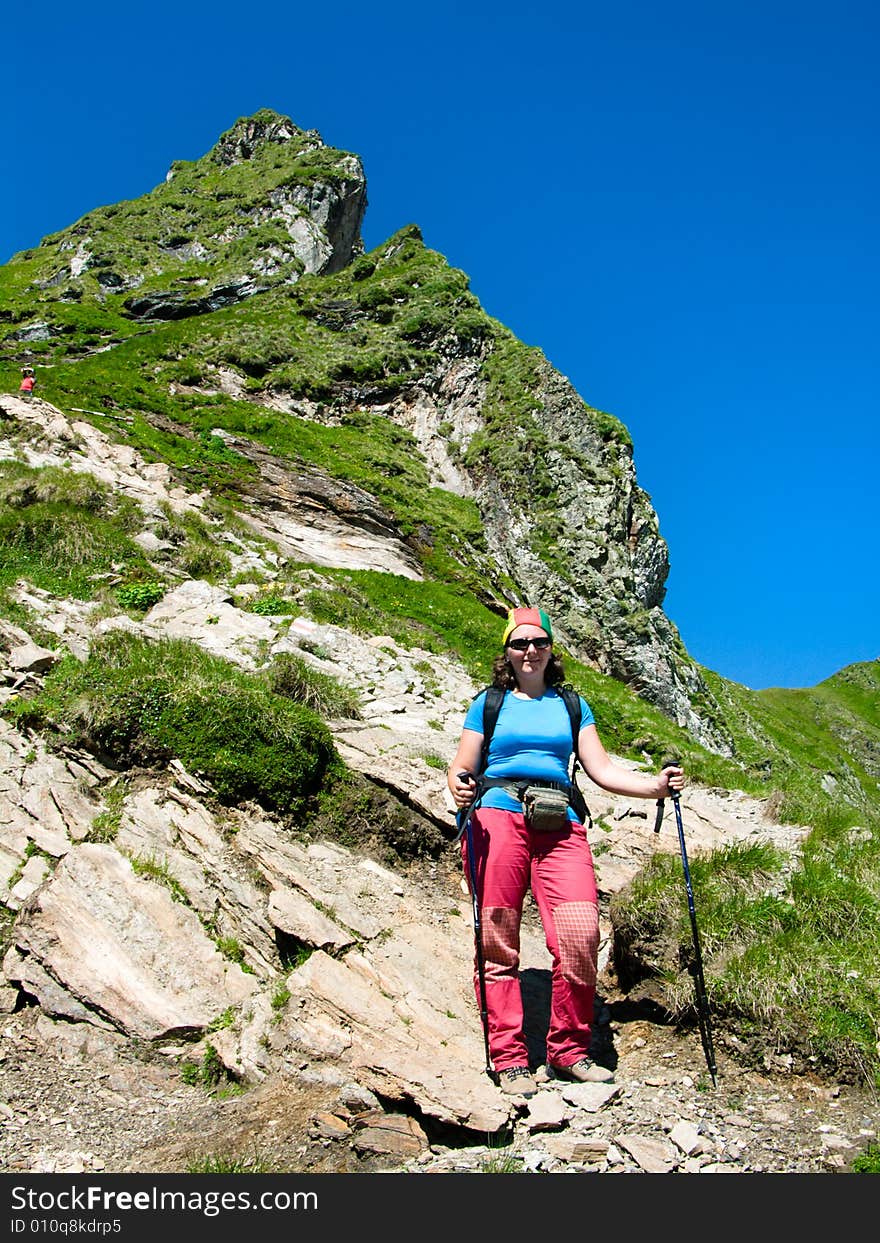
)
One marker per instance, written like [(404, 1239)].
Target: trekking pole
[(699, 981), (478, 931)]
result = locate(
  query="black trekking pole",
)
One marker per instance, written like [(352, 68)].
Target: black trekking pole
[(478, 931), (699, 981)]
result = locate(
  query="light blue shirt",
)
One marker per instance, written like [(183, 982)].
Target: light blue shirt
[(532, 739)]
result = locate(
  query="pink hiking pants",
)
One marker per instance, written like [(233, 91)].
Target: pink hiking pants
[(509, 858)]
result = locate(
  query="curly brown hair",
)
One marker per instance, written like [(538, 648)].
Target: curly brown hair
[(504, 677)]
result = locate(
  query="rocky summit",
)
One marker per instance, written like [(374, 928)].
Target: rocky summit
[(258, 525)]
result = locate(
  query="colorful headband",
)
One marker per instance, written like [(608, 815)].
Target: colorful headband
[(526, 617)]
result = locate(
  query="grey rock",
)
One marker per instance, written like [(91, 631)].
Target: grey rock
[(591, 1096), (575, 1148), (294, 915), (546, 1112), (654, 1156), (125, 948), (31, 658), (686, 1137)]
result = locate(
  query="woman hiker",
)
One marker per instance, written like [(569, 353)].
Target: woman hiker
[(519, 845)]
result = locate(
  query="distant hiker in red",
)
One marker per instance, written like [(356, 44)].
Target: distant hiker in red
[(527, 826), (27, 381)]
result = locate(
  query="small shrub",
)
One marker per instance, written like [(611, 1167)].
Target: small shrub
[(291, 677), (272, 606), (218, 1164), (280, 995), (225, 1019), (230, 948), (209, 1073), (501, 1163), (155, 869), (867, 1162), (105, 827), (140, 596)]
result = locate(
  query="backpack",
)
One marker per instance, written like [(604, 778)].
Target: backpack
[(571, 699)]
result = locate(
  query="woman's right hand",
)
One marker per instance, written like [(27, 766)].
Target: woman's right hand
[(463, 787)]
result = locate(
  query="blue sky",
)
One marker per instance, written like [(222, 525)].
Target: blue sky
[(676, 203)]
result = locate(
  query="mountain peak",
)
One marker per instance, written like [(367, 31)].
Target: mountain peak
[(249, 134)]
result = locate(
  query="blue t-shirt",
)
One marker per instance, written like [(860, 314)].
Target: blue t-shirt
[(532, 739)]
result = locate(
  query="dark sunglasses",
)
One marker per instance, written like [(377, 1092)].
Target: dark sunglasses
[(522, 645)]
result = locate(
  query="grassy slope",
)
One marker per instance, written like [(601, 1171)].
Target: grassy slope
[(795, 954)]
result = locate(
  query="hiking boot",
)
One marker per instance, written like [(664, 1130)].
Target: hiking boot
[(583, 1071), (517, 1081)]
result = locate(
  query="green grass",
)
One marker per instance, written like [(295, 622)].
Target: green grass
[(158, 870), (64, 532), (867, 1162), (790, 955), (140, 702), (210, 1074), (224, 1163), (293, 678)]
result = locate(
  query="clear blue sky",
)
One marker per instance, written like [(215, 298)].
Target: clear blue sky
[(676, 202)]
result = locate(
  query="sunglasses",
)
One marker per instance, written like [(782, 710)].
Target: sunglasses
[(522, 645)]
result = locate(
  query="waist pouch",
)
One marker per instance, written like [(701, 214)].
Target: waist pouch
[(545, 809)]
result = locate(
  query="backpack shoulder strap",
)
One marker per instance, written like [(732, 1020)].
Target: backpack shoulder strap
[(572, 702), (491, 708)]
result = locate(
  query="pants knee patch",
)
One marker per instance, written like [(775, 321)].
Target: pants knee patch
[(500, 926), (577, 934)]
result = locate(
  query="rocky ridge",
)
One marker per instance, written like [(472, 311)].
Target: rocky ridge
[(169, 952)]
